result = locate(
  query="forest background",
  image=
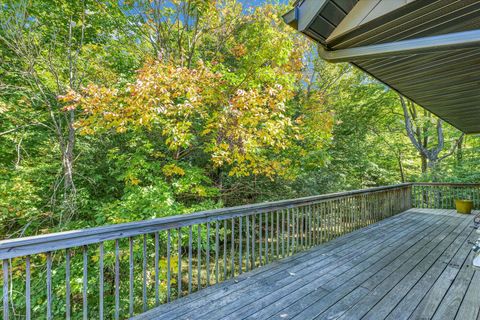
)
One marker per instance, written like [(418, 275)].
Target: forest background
[(116, 111)]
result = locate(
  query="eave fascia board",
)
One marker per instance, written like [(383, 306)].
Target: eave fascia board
[(445, 42)]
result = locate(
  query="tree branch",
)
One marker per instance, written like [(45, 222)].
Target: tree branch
[(21, 127), (455, 146), (409, 128)]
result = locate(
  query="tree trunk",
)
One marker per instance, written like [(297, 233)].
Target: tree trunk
[(68, 155), (424, 163), (460, 150), (400, 167)]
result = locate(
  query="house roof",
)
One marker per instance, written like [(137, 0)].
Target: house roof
[(427, 50)]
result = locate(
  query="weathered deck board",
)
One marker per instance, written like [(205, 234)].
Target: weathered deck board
[(353, 243), (414, 265)]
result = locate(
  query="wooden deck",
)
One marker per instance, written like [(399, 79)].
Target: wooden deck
[(415, 265)]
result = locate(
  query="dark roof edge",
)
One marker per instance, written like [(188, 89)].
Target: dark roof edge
[(291, 18)]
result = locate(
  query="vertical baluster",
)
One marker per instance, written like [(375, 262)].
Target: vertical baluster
[(179, 263), (338, 217), (371, 206), (331, 219), (288, 232), (317, 223), (272, 237), (308, 217), (169, 240), (294, 230), (297, 229), (350, 208), (217, 250), (302, 227), (309, 225), (157, 271), (303, 224), (85, 283), (207, 256), (225, 249), (366, 209), (364, 215), (316, 226), (5, 289), (266, 238), (240, 239), (325, 221), (247, 260), (199, 256), (27, 289), (316, 218), (326, 217), (131, 274), (49, 285), (283, 234), (144, 267), (354, 210), (101, 282), (345, 215), (67, 285), (253, 243), (190, 259), (260, 225), (233, 248), (278, 234), (117, 280), (312, 224)]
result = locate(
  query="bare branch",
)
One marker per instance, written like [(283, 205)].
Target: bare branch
[(455, 146), (409, 128), (21, 127)]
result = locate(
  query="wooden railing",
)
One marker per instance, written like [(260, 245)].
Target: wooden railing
[(120, 270), (443, 195)]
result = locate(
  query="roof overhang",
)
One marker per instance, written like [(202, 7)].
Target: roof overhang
[(427, 50)]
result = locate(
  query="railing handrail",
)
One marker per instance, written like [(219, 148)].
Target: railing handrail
[(18, 247), (447, 184)]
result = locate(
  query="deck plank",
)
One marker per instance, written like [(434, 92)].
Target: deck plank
[(452, 300), (371, 279), (410, 301), (471, 302), (416, 264), (282, 268), (269, 303), (344, 283), (442, 251)]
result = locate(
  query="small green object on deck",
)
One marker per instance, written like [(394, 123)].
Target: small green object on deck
[(464, 206)]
